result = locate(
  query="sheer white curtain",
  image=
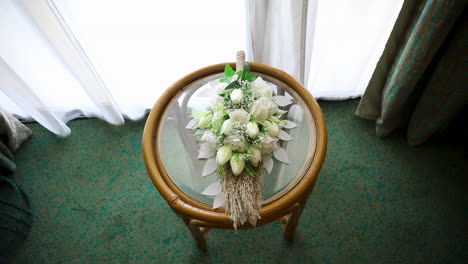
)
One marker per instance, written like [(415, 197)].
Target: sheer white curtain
[(60, 59), (331, 46)]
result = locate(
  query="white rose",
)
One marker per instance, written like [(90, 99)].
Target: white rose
[(256, 157), (209, 137), (237, 164), (235, 142), (227, 127), (236, 96), (251, 129), (239, 116), (268, 144), (223, 155), (261, 88), (220, 87), (263, 108), (272, 129)]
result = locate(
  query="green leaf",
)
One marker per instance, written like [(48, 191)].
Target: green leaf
[(250, 169), (217, 125), (274, 119), (233, 85), (280, 113), (228, 71), (246, 75), (201, 113), (223, 170)]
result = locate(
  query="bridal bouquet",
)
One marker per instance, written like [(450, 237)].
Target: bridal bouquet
[(240, 131)]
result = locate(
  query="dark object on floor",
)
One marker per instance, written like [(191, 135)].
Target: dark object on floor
[(15, 214), (12, 134), (7, 160), (3, 260)]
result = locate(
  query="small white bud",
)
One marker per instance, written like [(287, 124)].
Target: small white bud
[(227, 127), (236, 96), (256, 157), (272, 129), (251, 129), (237, 164)]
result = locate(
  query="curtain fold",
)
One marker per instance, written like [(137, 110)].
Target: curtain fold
[(50, 23), (277, 34), (15, 88), (420, 82), (330, 46), (59, 53), (111, 60)]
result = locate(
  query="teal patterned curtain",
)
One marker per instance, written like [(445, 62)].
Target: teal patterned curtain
[(420, 81)]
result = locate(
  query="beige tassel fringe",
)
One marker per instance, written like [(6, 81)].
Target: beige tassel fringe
[(243, 195)]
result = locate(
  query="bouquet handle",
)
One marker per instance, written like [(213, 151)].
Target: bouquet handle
[(240, 60)]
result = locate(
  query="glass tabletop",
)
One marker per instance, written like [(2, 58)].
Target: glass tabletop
[(179, 147)]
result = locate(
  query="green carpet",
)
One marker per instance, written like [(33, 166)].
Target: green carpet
[(376, 201)]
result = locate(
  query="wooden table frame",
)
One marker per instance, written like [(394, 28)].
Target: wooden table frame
[(199, 217)]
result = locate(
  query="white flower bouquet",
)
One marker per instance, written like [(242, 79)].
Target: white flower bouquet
[(241, 130)]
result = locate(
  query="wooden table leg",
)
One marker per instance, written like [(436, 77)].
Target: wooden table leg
[(290, 222), (200, 234)]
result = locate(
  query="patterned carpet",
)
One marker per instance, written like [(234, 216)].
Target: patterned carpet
[(376, 201)]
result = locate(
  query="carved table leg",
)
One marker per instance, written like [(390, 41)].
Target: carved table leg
[(290, 222)]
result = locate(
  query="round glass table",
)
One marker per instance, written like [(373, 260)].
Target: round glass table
[(171, 153)]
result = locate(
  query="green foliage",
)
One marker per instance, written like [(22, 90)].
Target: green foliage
[(251, 170), (280, 113), (201, 113), (223, 170), (245, 74), (217, 124), (228, 73), (276, 120), (232, 86)]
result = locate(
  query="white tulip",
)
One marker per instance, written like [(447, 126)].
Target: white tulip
[(224, 155), (236, 96), (272, 129), (237, 164), (205, 121), (252, 129), (256, 157), (227, 127)]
